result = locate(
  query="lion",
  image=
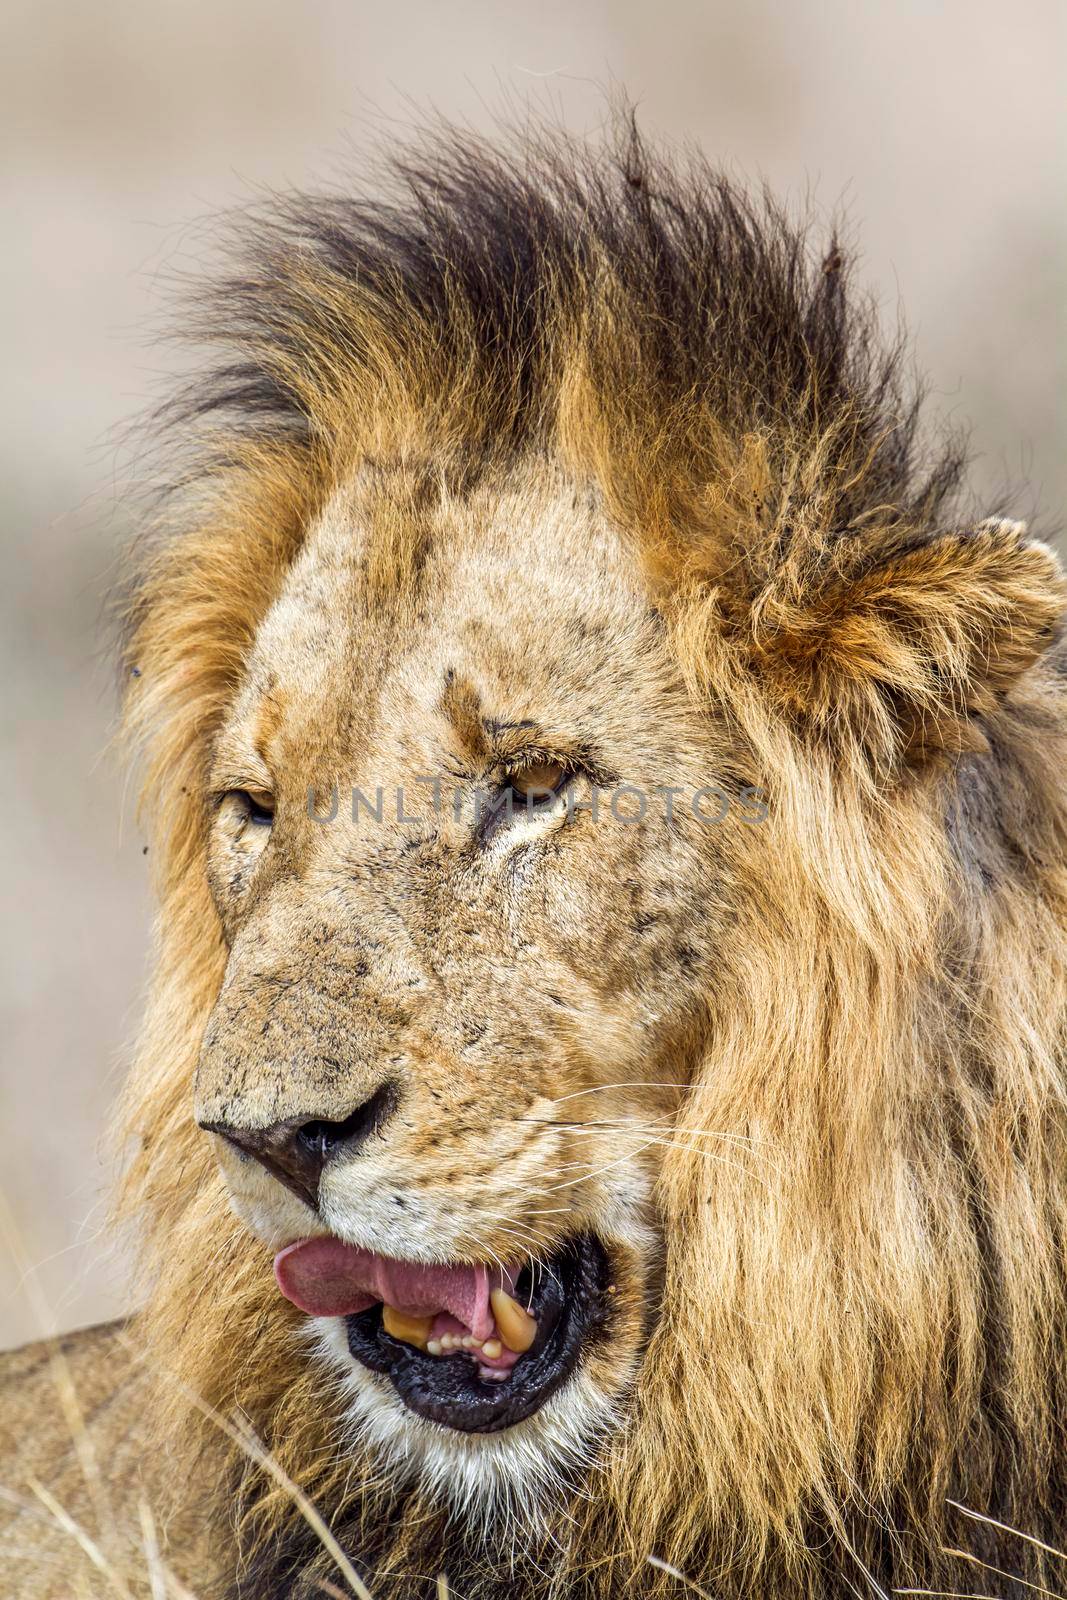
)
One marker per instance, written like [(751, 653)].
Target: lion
[(599, 1127)]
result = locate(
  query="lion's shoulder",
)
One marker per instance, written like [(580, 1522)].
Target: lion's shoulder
[(74, 1475)]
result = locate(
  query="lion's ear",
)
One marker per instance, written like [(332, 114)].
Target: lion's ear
[(909, 649)]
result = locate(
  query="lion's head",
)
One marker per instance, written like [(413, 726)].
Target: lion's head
[(612, 866)]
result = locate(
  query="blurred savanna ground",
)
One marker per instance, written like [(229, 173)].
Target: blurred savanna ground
[(937, 124)]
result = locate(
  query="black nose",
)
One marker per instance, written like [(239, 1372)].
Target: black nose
[(296, 1151)]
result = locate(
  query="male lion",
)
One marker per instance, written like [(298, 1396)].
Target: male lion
[(669, 1179)]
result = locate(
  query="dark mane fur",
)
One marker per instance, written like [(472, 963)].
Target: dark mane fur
[(482, 266)]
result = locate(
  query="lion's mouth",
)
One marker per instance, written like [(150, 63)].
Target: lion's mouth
[(468, 1347)]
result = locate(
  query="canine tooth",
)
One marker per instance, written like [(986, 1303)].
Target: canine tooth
[(513, 1323), (433, 1347), (492, 1348), (412, 1330)]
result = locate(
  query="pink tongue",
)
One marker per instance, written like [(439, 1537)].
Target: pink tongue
[(328, 1278)]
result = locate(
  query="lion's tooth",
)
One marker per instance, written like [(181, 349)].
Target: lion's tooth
[(413, 1330), (513, 1322), (434, 1347), (492, 1348)]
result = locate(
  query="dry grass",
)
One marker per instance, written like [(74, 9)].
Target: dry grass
[(151, 1576), (154, 1577)]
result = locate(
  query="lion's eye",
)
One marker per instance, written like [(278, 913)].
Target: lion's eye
[(537, 784), (256, 804), (523, 792)]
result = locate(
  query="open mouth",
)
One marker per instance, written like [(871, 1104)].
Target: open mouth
[(470, 1347)]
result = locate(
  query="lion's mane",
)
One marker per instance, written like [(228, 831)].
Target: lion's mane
[(875, 1328)]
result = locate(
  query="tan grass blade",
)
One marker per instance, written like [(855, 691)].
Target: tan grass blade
[(243, 1435), (157, 1580), (674, 1572), (79, 1535), (965, 1555), (164, 1584), (61, 1377), (978, 1516)]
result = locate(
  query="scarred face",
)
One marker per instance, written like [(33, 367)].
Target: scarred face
[(640, 1183), (470, 910)]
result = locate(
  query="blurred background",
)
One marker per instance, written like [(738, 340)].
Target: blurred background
[(937, 124)]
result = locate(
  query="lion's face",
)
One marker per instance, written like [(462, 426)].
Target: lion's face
[(454, 1030)]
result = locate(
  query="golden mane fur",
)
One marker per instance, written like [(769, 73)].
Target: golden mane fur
[(876, 1327)]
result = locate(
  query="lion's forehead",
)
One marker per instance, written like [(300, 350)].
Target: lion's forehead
[(528, 592)]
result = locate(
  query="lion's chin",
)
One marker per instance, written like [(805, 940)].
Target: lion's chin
[(568, 1297)]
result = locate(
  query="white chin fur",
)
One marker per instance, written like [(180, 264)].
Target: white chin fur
[(505, 1481)]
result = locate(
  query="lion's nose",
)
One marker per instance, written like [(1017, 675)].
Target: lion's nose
[(296, 1151)]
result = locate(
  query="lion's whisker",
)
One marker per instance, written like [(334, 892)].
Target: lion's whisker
[(648, 1144), (603, 1088), (595, 1171), (623, 1124), (650, 1135)]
